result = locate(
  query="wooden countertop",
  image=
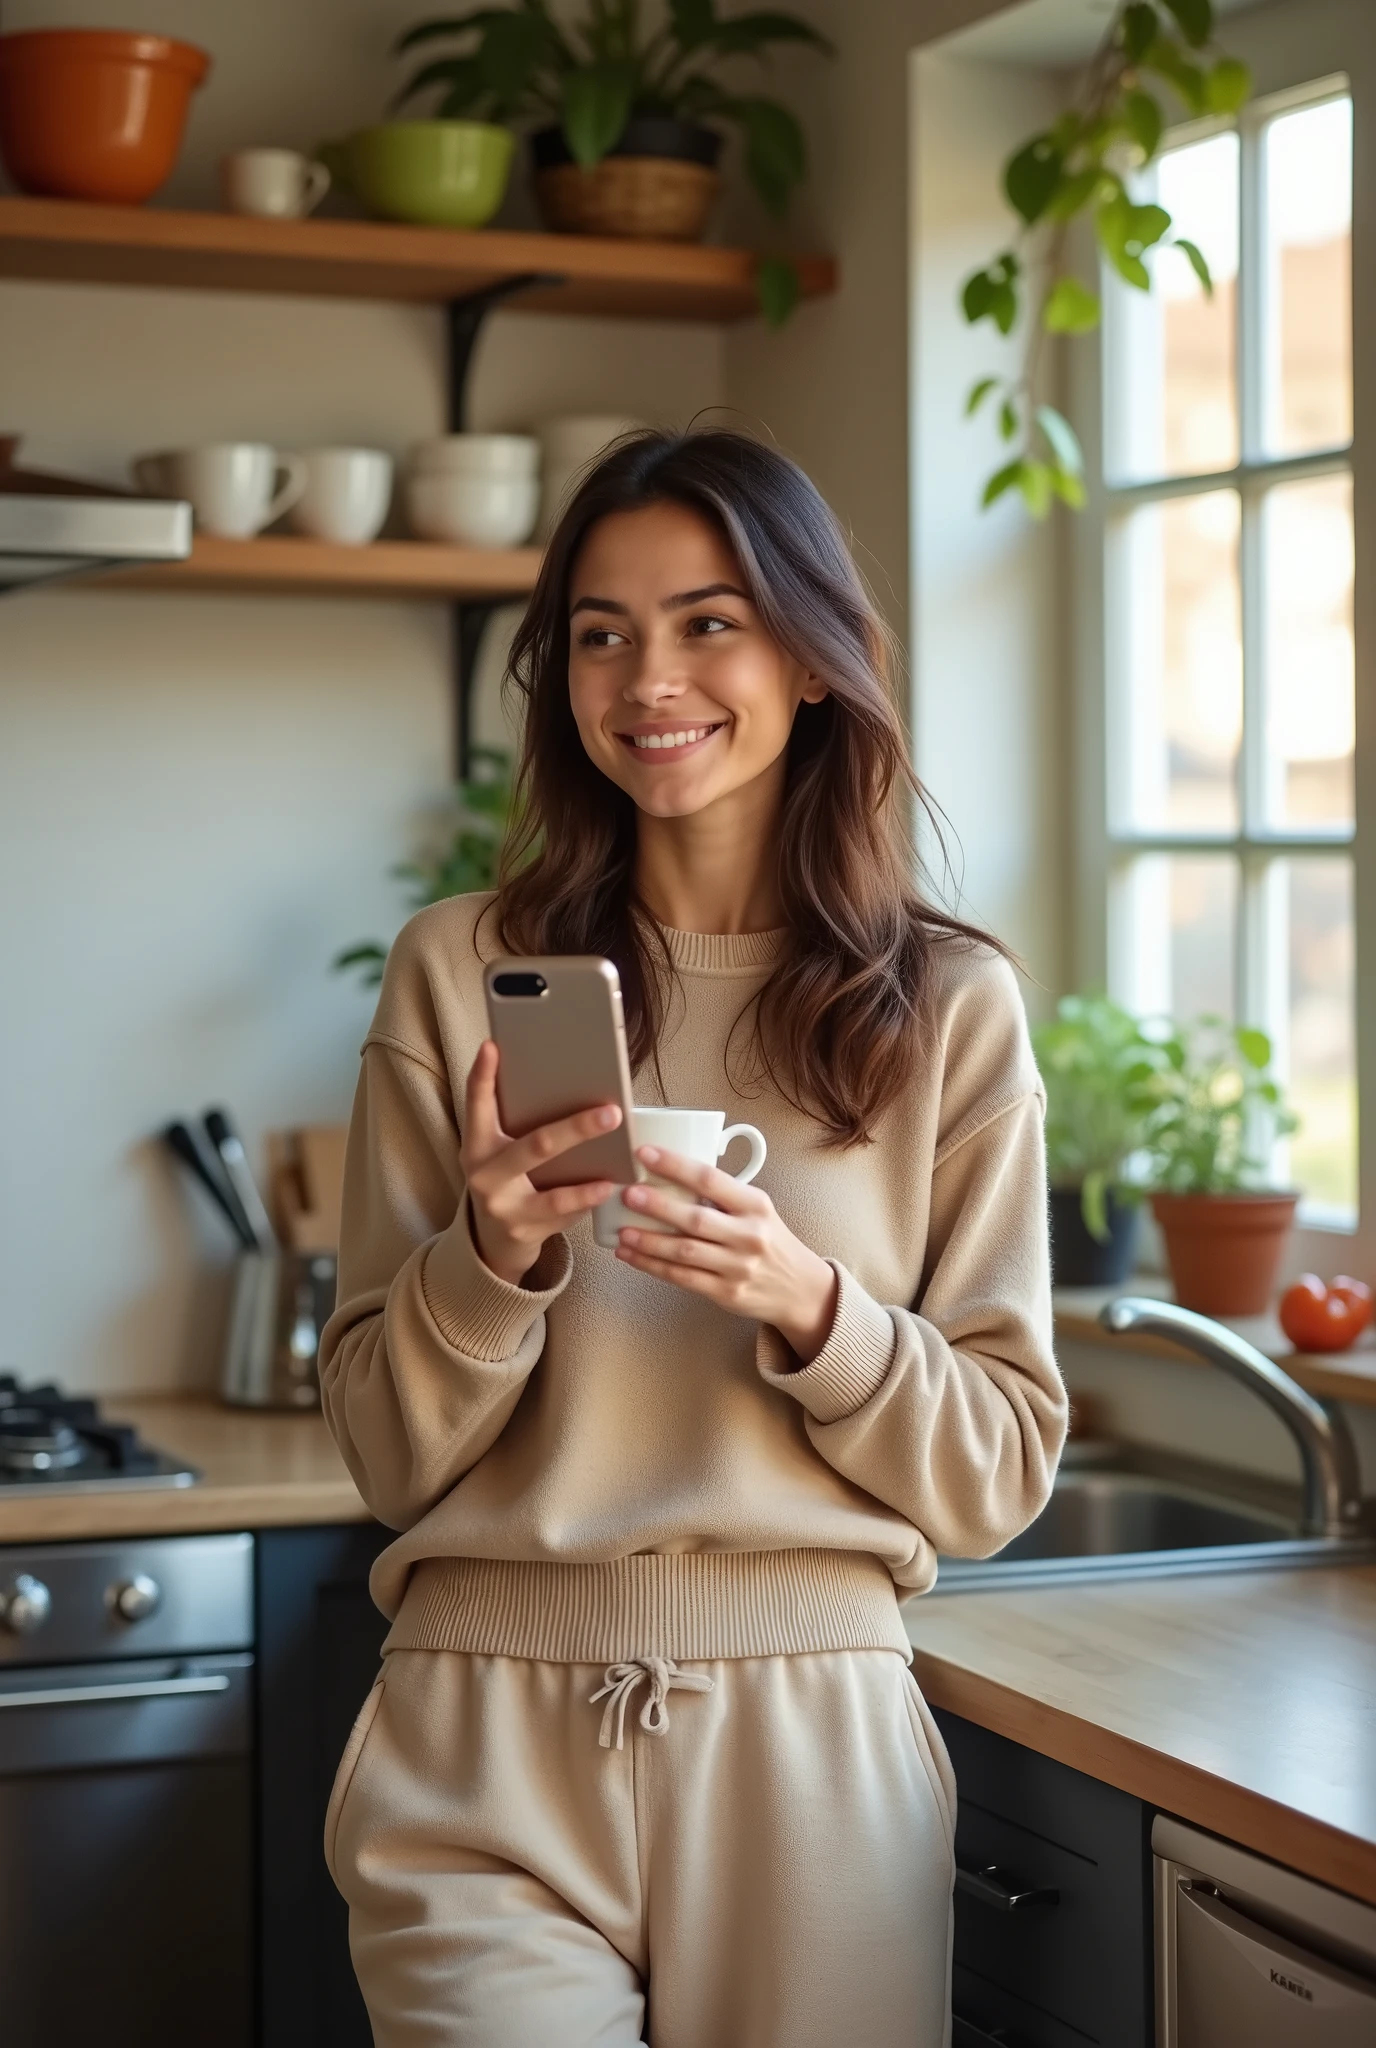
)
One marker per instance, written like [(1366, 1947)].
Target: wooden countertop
[(1245, 1703), (261, 1470)]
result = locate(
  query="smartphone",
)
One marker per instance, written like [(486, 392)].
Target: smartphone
[(559, 1030)]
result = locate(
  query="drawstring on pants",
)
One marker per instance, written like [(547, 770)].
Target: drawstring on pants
[(621, 1680)]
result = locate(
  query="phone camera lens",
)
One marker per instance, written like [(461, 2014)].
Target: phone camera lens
[(519, 984)]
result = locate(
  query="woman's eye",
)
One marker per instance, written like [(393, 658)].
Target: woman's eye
[(706, 626), (599, 636)]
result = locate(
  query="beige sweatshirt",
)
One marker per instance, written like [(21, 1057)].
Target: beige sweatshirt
[(597, 1464)]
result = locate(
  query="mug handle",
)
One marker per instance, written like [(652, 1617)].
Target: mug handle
[(317, 185), (758, 1150), (289, 490)]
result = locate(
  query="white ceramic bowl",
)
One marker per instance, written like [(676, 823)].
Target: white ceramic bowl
[(476, 511), (496, 455)]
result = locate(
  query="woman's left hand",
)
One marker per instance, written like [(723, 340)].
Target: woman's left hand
[(738, 1253)]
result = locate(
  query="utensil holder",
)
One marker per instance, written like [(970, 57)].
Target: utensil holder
[(281, 1303)]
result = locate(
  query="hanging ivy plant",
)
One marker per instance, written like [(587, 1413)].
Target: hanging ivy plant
[(1082, 165)]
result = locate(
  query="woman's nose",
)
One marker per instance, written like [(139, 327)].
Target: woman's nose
[(652, 678)]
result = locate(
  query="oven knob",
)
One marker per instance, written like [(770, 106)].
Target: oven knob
[(136, 1598), (25, 1604)]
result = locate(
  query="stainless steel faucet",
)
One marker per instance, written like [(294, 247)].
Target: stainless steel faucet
[(1332, 1480)]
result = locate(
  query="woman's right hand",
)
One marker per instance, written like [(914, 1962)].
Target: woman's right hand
[(511, 1217)]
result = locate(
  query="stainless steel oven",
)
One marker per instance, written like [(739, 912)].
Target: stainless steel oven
[(126, 1815)]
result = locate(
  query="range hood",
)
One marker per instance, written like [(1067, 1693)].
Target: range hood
[(55, 526)]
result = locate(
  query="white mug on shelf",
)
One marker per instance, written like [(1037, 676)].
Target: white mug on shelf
[(278, 184), (569, 446), (698, 1134), (233, 486), (346, 495)]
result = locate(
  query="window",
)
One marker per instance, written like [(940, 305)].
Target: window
[(1229, 664)]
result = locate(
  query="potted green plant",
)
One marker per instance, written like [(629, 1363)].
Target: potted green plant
[(622, 114), (1217, 1115), (1099, 1071), (469, 861)]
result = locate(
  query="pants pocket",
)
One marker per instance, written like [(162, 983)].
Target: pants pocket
[(935, 1760), (348, 1766)]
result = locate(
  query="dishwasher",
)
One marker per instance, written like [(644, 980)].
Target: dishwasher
[(1248, 1952), (126, 1794)]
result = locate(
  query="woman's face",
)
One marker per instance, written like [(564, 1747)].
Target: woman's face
[(680, 695)]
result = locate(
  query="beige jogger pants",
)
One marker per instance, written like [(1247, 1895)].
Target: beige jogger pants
[(765, 1861)]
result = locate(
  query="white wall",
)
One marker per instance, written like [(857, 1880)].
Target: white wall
[(200, 796)]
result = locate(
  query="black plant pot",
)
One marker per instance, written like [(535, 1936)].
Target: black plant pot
[(664, 135), (1079, 1260)]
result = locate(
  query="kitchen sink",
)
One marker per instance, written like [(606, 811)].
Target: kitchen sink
[(1127, 1524)]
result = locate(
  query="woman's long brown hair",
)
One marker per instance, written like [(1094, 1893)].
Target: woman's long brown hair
[(841, 1019)]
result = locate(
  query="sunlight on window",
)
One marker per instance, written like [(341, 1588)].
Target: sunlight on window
[(1182, 911), (1177, 347), (1308, 277), (1309, 652), (1185, 651), (1321, 1057)]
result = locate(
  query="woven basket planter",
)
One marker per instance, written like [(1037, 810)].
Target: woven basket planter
[(657, 185)]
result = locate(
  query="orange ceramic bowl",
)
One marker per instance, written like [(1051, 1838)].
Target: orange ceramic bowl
[(93, 113)]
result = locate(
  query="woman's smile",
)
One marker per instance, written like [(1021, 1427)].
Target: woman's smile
[(661, 746)]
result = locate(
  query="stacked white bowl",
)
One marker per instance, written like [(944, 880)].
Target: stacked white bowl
[(481, 490), (571, 445)]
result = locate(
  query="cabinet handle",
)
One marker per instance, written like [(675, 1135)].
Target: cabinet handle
[(998, 1888), (87, 1695)]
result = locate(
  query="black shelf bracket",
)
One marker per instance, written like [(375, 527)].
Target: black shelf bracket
[(463, 323)]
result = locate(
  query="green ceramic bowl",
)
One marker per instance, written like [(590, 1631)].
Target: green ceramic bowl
[(441, 174)]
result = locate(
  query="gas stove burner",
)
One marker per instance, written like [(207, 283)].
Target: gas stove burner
[(50, 1441), (32, 1440)]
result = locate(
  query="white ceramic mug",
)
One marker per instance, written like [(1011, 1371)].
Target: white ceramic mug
[(232, 485), (346, 495), (698, 1134), (278, 183)]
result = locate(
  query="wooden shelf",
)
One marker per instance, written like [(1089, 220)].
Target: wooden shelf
[(1332, 1375), (386, 568), (68, 241)]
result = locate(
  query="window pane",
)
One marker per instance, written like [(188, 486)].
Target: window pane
[(1173, 388), (1309, 661), (1308, 339), (1322, 1056), (1177, 936), (1179, 641)]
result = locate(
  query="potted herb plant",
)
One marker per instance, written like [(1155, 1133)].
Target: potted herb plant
[(1217, 1116), (623, 115), (1099, 1070)]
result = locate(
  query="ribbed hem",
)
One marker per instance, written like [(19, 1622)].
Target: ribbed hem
[(851, 1366), (721, 952), (698, 1604), (475, 1312)]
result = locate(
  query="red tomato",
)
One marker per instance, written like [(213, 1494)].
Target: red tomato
[(1319, 1317)]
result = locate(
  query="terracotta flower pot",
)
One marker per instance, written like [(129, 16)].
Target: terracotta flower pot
[(1224, 1251), (94, 113)]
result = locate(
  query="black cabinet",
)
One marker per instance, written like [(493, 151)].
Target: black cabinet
[(1053, 1901), (319, 1645)]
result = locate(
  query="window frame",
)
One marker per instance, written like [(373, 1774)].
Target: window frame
[(1107, 847)]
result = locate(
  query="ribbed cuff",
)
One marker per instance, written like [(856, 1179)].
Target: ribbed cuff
[(850, 1367), (477, 1313)]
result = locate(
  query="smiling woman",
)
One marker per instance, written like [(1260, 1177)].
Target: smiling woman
[(704, 1466)]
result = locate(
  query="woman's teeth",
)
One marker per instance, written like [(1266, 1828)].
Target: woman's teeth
[(684, 738)]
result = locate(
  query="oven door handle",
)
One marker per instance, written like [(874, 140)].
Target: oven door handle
[(135, 1689)]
